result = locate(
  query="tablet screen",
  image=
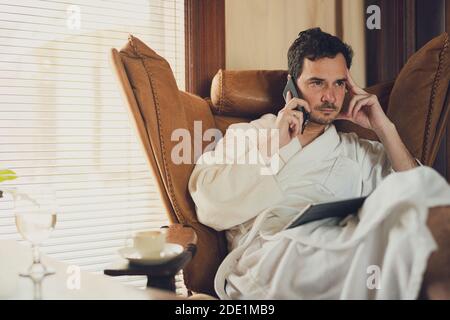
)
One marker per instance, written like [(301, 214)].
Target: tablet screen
[(341, 208)]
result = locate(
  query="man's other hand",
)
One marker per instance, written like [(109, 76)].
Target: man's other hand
[(364, 108)]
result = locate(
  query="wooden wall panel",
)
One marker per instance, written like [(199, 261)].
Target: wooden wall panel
[(205, 43), (388, 48), (406, 25)]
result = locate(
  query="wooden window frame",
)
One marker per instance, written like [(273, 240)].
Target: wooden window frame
[(205, 43)]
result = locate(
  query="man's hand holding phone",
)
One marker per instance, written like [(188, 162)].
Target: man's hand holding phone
[(289, 119)]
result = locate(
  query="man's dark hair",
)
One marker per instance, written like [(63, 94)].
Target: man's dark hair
[(315, 44)]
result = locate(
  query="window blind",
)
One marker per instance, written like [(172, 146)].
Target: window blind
[(63, 122)]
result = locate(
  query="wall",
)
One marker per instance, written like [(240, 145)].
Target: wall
[(259, 32)]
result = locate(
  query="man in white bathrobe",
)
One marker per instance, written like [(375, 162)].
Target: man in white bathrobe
[(381, 253)]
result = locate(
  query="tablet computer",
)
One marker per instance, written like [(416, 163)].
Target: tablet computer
[(317, 211)]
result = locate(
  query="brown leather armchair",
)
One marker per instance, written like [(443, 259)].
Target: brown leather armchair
[(157, 108)]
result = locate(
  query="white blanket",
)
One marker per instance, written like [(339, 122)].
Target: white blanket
[(383, 256)]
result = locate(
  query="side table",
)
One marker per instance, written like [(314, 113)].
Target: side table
[(162, 275)]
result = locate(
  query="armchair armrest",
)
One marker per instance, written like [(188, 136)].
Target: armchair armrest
[(436, 281), (182, 235)]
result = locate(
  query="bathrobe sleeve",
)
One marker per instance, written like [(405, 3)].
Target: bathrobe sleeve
[(226, 192), (373, 160)]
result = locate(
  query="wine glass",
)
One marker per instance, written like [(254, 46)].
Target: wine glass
[(35, 213)]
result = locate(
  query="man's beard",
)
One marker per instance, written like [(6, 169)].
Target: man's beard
[(316, 116)]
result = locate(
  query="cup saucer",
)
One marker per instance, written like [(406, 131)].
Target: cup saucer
[(170, 251)]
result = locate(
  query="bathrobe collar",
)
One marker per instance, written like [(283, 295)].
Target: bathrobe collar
[(322, 146)]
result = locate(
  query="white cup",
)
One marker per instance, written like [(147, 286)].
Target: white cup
[(149, 244)]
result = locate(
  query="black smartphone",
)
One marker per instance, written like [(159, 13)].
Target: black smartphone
[(290, 86)]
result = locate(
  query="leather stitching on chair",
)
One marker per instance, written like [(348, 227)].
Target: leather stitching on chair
[(170, 188), (223, 101), (163, 149), (436, 82)]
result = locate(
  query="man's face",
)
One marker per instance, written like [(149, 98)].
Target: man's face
[(322, 85)]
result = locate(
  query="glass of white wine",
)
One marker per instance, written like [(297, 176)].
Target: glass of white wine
[(35, 213)]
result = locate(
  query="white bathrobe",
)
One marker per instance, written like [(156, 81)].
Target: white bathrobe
[(380, 254)]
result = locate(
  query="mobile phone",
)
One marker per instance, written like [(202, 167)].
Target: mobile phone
[(290, 86)]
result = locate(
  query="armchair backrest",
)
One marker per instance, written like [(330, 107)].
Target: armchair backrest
[(158, 110)]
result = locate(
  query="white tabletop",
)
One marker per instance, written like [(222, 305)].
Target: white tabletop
[(15, 257)]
